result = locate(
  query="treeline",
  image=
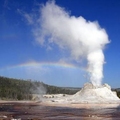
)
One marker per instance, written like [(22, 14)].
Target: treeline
[(17, 89), (117, 91), (14, 89), (118, 94), (60, 90)]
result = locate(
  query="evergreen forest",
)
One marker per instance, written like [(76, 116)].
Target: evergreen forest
[(17, 89)]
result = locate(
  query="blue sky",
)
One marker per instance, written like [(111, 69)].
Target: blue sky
[(22, 57)]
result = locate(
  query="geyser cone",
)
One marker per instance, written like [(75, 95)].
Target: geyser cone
[(92, 94)]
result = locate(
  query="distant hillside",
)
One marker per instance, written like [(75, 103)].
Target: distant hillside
[(17, 89)]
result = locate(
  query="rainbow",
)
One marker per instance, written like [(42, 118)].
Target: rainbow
[(47, 72), (42, 64)]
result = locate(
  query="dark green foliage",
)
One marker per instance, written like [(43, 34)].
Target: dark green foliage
[(16, 89), (60, 90), (118, 92)]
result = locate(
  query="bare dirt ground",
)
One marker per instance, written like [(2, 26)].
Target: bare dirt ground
[(27, 110)]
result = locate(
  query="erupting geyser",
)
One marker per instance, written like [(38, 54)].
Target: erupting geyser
[(85, 40)]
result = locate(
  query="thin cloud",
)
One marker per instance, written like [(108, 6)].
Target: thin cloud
[(6, 4)]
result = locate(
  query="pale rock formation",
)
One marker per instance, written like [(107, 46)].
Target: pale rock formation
[(91, 94)]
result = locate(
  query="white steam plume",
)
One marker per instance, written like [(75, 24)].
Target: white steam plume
[(84, 39)]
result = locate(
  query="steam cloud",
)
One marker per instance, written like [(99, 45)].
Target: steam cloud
[(84, 39)]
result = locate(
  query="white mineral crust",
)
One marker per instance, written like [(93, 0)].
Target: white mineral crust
[(91, 94)]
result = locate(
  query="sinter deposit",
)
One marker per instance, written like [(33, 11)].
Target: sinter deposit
[(90, 94)]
